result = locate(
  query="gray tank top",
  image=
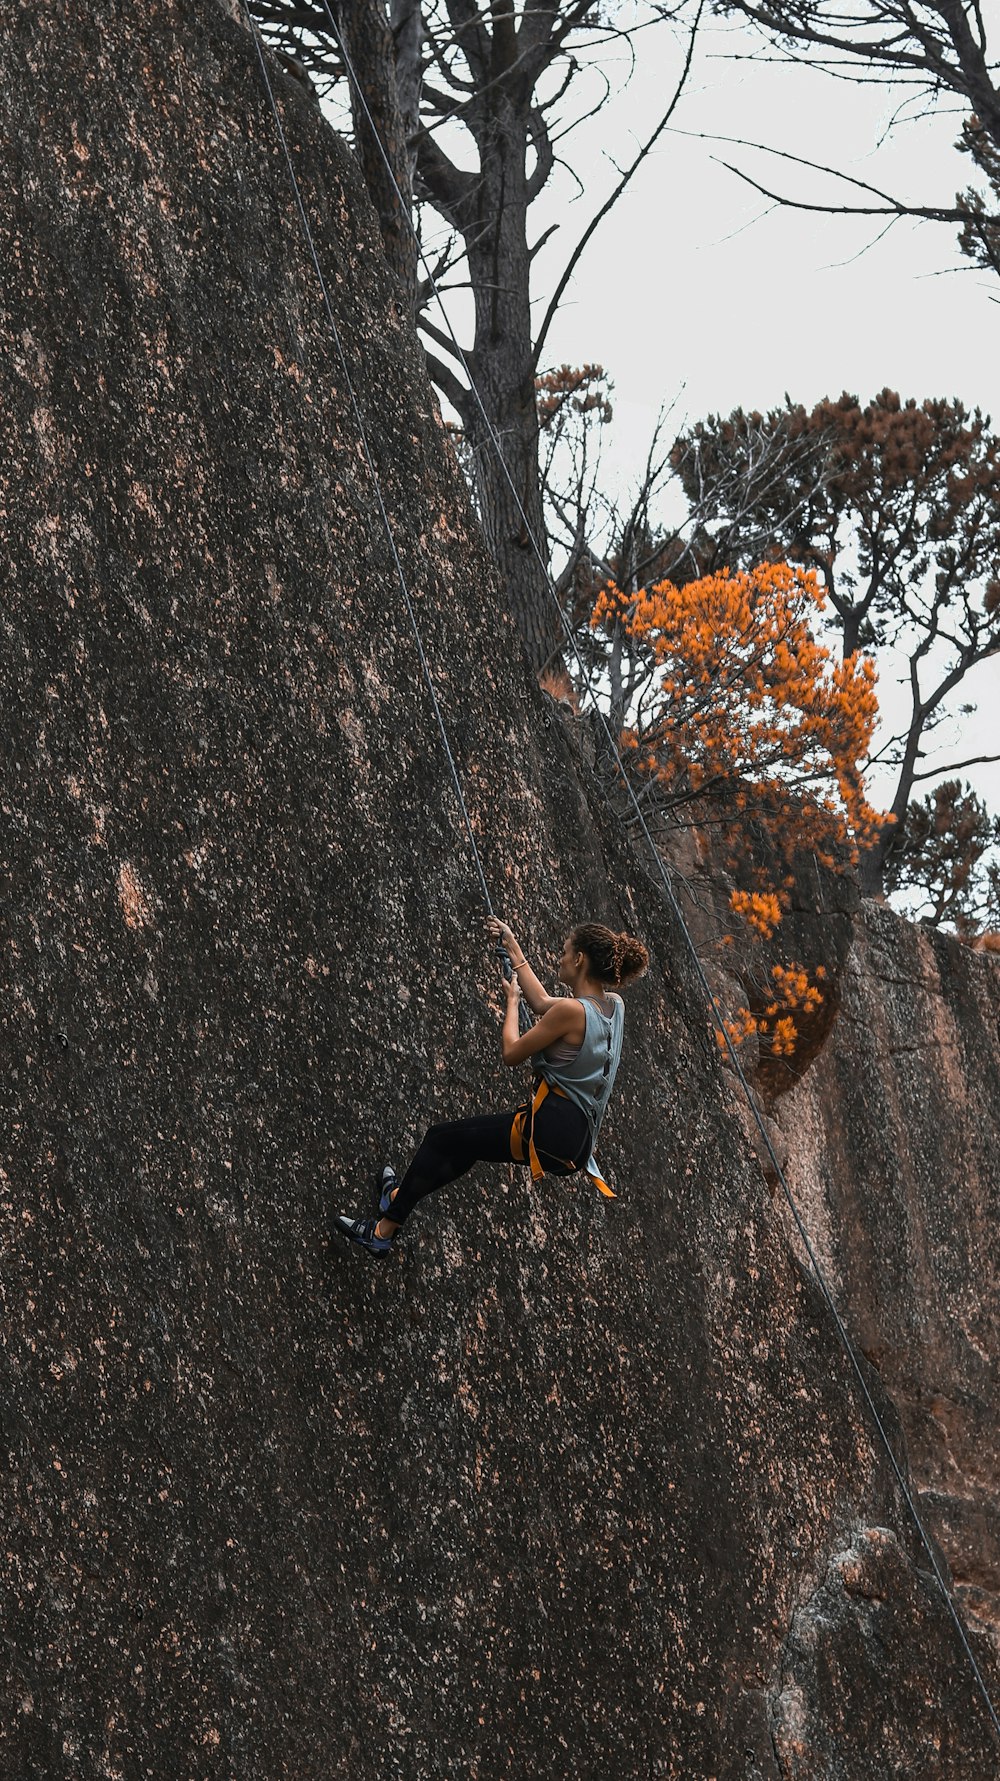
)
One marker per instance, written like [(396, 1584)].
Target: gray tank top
[(588, 1078)]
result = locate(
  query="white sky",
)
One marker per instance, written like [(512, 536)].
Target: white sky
[(696, 288)]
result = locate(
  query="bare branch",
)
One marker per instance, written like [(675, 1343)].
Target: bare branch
[(544, 154), (956, 766), (893, 208), (443, 340), (609, 204), (448, 384)]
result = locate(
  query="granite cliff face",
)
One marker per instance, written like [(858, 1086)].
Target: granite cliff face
[(566, 1487), (893, 1147)]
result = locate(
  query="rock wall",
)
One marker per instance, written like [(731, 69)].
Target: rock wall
[(566, 1486), (894, 1144)]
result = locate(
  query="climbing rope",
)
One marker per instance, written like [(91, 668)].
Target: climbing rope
[(524, 1017), (657, 857)]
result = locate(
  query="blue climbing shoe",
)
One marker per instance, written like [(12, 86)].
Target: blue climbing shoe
[(385, 1182), (362, 1232)]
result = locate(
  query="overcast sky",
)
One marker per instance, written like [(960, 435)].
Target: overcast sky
[(696, 288)]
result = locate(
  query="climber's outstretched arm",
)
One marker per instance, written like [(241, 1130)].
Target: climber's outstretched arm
[(534, 993)]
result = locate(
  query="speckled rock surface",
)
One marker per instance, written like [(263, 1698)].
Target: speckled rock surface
[(566, 1487), (894, 1141)]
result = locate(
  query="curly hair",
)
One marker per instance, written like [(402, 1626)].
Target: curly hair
[(614, 958)]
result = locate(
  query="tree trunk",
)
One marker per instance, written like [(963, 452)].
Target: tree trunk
[(871, 865), (368, 41), (502, 363), (489, 208), (408, 35)]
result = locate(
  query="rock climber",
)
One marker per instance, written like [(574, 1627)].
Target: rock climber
[(576, 1044)]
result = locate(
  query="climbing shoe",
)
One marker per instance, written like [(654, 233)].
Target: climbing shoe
[(385, 1182), (362, 1231)]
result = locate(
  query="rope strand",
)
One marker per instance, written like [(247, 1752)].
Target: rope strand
[(369, 461), (525, 1018)]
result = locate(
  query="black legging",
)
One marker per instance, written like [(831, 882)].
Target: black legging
[(562, 1140)]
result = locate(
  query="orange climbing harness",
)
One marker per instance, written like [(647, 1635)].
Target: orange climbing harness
[(525, 1118)]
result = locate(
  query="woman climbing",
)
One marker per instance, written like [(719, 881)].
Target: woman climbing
[(576, 1043)]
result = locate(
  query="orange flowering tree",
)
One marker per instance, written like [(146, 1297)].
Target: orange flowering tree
[(743, 718), (791, 998), (739, 701)]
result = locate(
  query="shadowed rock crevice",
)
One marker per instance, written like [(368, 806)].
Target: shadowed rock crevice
[(542, 1493)]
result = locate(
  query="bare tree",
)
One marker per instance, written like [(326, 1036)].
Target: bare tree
[(936, 47), (477, 100), (929, 51)]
